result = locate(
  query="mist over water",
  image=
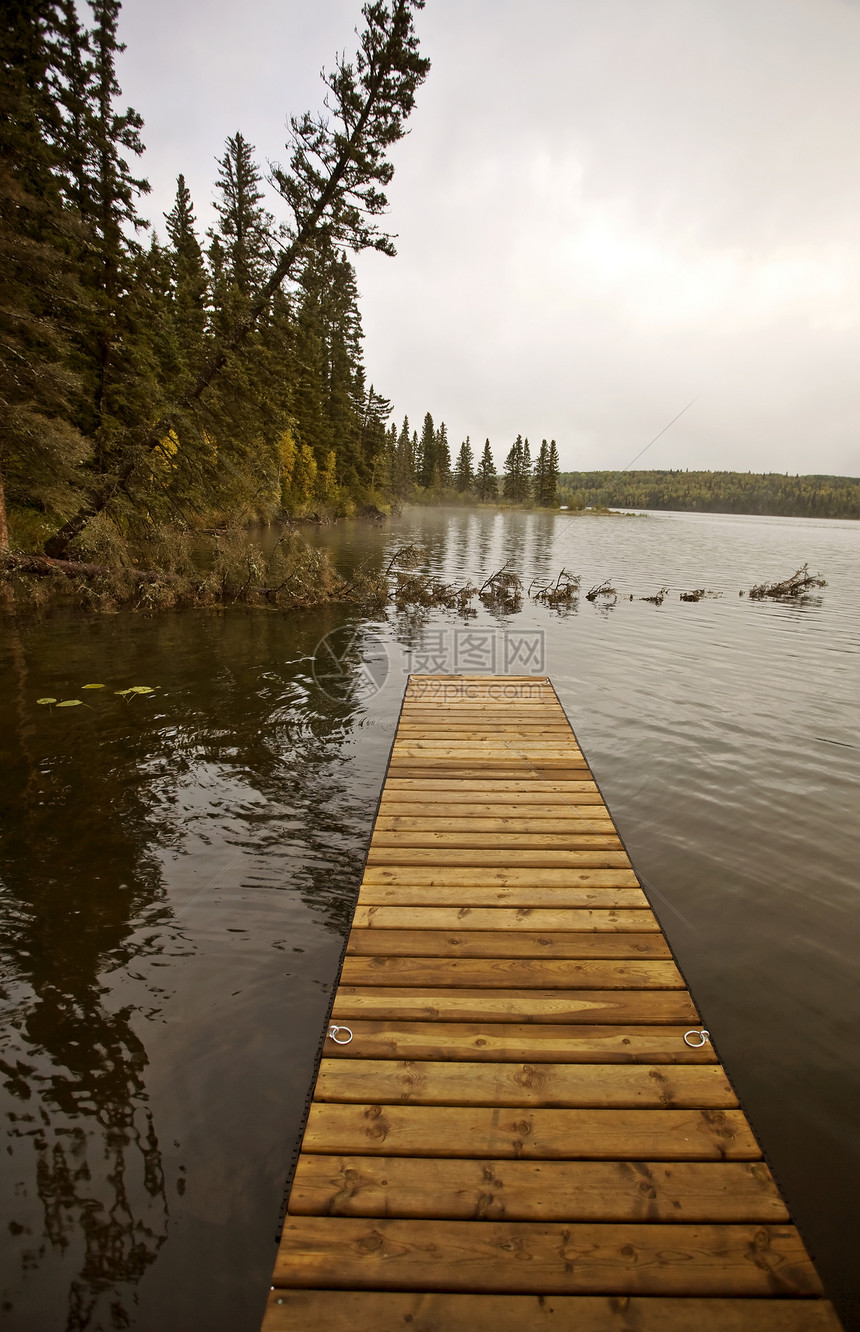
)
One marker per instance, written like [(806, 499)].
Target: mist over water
[(178, 870)]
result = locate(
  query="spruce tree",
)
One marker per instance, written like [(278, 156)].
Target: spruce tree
[(96, 140), (376, 443), (40, 448), (403, 478), (486, 482), (441, 459), (526, 473), (539, 478), (550, 485), (512, 486), (244, 227), (426, 465), (464, 474), (188, 284)]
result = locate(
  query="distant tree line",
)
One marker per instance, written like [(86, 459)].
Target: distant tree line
[(770, 493), (196, 379), (419, 467)]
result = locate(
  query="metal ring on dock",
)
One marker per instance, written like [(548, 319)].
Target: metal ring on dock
[(333, 1033), (704, 1037)]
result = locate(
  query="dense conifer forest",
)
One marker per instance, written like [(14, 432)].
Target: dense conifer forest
[(715, 492), (158, 380)]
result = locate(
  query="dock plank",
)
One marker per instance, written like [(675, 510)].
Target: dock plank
[(545, 1043), (518, 1190), (543, 919), (392, 1003), (426, 1311), (552, 1086), (503, 944), (516, 973), (529, 1133), (515, 1257)]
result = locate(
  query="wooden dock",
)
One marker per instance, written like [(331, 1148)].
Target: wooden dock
[(515, 1133)]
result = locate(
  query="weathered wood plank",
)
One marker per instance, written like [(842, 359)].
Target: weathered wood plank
[(529, 1133), (539, 774), (492, 1190), (544, 1043), (580, 839), (426, 1311), (549, 1259), (619, 1086), (509, 857), (535, 808), (516, 973), (604, 893), (476, 874), (392, 1003), (507, 791), (503, 944), (505, 918), (440, 747), (583, 818)]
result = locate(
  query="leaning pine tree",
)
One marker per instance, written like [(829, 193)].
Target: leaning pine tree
[(334, 187)]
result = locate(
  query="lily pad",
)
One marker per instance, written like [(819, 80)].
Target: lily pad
[(70, 703), (93, 686), (46, 700), (123, 693), (141, 689)]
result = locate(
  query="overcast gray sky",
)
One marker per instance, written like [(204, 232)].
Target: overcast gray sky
[(605, 209)]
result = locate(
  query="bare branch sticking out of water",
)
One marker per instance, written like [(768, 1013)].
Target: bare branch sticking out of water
[(562, 592), (604, 589), (406, 557), (658, 598), (503, 589), (800, 582)]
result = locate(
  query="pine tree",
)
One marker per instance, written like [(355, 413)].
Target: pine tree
[(512, 486), (539, 477), (426, 464), (526, 474), (376, 443), (486, 482), (441, 459), (244, 228), (347, 403), (464, 475), (550, 484), (39, 447), (96, 138), (403, 478), (188, 285)]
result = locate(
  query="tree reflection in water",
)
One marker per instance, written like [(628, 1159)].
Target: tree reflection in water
[(74, 1070)]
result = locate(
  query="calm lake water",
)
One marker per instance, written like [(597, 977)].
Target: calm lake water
[(178, 871)]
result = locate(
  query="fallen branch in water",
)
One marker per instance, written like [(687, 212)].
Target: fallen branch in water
[(604, 589), (800, 581), (562, 592), (503, 589)]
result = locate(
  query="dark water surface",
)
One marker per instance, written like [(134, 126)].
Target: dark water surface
[(178, 870)]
